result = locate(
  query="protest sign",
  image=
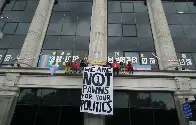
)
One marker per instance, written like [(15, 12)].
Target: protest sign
[(97, 90)]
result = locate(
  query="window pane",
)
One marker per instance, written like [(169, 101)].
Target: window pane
[(120, 100), (81, 43), (24, 114), (186, 60), (51, 42), (10, 6), (66, 42), (138, 99), (194, 17), (192, 45), (114, 17), (128, 18), (20, 5), (146, 44), (22, 28), (144, 31), (127, 7), (182, 7), (61, 6), (54, 29), (48, 115), (142, 18), (6, 41), (140, 7), (57, 17), (51, 97), (114, 43), (134, 59), (191, 7), (169, 7), (69, 29), (29, 96), (70, 17), (114, 6), (31, 6), (14, 16), (186, 19), (17, 41), (10, 55), (130, 44), (79, 53), (71, 97), (120, 117), (189, 30), (176, 31), (162, 100), (114, 30), (194, 57), (129, 30), (181, 45), (173, 18), (9, 28), (83, 29)]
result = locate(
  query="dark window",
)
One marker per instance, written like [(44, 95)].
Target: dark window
[(51, 42), (186, 19), (173, 18), (169, 7), (114, 30), (16, 41), (10, 28), (22, 28), (176, 31), (11, 55), (10, 6), (20, 5), (14, 16), (114, 44), (191, 7), (181, 45), (138, 99), (114, 17), (61, 6), (81, 43), (66, 42), (57, 17), (29, 96), (130, 44), (70, 17), (142, 18), (114, 6), (83, 28), (69, 29), (54, 29), (128, 18), (2, 55), (79, 6), (192, 44), (129, 30), (144, 31), (189, 30), (140, 7), (127, 7), (120, 100), (71, 97), (146, 44), (182, 7)]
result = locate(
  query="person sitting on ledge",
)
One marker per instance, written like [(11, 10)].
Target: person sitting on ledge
[(82, 65), (115, 67), (129, 67), (75, 66), (68, 66), (122, 67)]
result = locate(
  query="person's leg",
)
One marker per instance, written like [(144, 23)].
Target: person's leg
[(117, 70), (131, 70), (114, 70)]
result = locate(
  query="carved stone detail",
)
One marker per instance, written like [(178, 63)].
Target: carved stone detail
[(11, 79), (183, 84)]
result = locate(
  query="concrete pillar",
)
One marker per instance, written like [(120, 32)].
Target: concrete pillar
[(97, 47), (162, 37), (98, 43), (8, 97), (34, 39)]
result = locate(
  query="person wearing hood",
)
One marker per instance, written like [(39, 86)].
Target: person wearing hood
[(115, 67), (129, 67)]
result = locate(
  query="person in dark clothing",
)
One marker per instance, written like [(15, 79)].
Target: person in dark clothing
[(129, 67), (115, 67), (82, 65)]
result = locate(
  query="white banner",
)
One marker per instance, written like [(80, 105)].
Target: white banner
[(97, 90)]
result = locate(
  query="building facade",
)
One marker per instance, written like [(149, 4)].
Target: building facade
[(100, 30)]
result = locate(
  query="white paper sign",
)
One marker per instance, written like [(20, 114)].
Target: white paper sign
[(97, 91)]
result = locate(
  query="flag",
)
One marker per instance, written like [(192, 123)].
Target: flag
[(53, 69)]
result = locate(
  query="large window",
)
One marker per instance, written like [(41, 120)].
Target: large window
[(68, 32), (15, 28), (129, 32), (48, 106), (138, 108), (181, 17)]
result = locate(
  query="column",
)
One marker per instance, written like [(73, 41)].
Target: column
[(8, 97), (34, 39), (162, 37), (98, 43), (97, 47)]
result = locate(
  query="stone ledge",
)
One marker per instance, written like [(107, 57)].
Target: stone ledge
[(44, 72)]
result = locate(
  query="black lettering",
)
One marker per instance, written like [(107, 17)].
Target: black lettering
[(92, 69), (89, 89), (81, 104), (98, 83), (98, 90), (99, 69), (82, 96), (86, 79), (108, 97), (104, 69), (84, 87), (108, 78), (106, 90), (103, 105), (86, 69), (97, 106), (110, 108), (89, 105), (100, 106), (90, 96)]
